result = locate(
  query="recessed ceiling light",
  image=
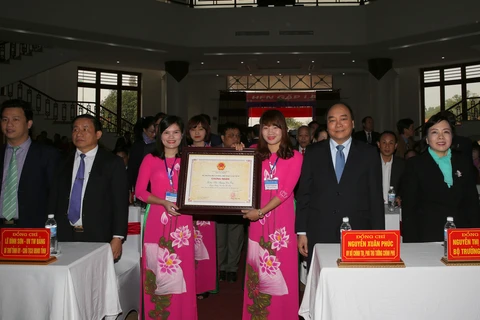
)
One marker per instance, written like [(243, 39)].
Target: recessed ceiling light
[(118, 61), (343, 73), (443, 58), (217, 74), (353, 61), (278, 61), (250, 74), (241, 62), (202, 62), (313, 61), (279, 74)]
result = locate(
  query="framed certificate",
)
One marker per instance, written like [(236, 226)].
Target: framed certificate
[(218, 181)]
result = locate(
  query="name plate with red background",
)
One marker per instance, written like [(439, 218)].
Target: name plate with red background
[(28, 244), (370, 246), (463, 244)]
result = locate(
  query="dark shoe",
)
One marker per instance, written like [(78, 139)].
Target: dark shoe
[(202, 296), (231, 276), (222, 276)]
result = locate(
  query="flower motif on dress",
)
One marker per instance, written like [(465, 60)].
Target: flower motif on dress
[(203, 223), (197, 235), (176, 167), (279, 239), (169, 263), (269, 264), (458, 174), (181, 236), (164, 218), (262, 221)]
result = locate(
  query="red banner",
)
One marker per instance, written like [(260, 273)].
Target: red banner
[(281, 96), (24, 244), (370, 246), (296, 112), (463, 244)]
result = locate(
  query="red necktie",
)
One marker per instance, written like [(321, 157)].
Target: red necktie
[(303, 152)]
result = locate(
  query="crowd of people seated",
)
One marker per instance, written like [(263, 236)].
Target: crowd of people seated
[(308, 185)]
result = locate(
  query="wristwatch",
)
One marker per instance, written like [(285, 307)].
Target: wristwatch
[(260, 213)]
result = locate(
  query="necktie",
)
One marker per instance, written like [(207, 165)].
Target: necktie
[(10, 192), (339, 162), (303, 151), (369, 137), (76, 197)]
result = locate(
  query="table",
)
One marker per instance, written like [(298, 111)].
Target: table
[(425, 289), (81, 284)]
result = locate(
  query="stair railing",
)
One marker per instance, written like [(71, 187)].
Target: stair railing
[(64, 110), (14, 51)]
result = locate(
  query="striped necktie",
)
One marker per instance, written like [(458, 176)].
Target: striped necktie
[(11, 190)]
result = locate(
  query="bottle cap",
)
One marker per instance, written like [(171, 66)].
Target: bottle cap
[(50, 216), (449, 219), (345, 219)]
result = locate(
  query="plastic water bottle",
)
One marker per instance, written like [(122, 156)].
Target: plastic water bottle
[(52, 225), (344, 227), (448, 225), (391, 199)]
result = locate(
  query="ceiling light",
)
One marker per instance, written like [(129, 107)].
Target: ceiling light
[(309, 74), (202, 62), (250, 74), (313, 61), (217, 75), (241, 62), (272, 53), (279, 74), (465, 35), (343, 73), (353, 61), (443, 58), (118, 61), (278, 61)]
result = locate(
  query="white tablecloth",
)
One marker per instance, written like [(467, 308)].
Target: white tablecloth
[(425, 289), (81, 284)]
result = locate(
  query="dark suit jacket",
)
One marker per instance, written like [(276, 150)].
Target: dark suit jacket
[(362, 136), (398, 167), (34, 184), (427, 201), (105, 203), (322, 202), (139, 150)]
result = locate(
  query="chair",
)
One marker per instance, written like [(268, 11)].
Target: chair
[(127, 268)]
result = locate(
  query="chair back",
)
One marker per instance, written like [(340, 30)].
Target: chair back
[(134, 240)]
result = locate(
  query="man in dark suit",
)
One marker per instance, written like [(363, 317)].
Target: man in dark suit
[(392, 166), (27, 172), (340, 177), (90, 190), (303, 139), (367, 135)]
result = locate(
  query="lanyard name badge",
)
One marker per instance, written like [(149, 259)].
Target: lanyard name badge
[(172, 194), (271, 183)]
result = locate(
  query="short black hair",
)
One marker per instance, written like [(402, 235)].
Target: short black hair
[(18, 103), (364, 120), (337, 103), (256, 130), (403, 124), (388, 132), (160, 115), (96, 123), (228, 126), (439, 117), (207, 117)]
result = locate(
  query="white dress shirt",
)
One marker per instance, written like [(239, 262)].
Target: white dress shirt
[(89, 158), (386, 173), (346, 150)]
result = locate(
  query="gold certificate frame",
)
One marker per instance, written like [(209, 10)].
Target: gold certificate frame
[(218, 181)]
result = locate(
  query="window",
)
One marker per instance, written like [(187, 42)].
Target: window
[(453, 88), (114, 96)]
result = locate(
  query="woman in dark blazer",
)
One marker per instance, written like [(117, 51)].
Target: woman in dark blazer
[(437, 184)]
